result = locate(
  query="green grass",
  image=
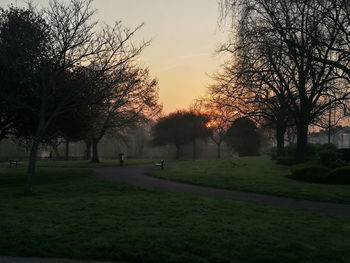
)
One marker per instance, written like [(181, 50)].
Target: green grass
[(255, 174), (82, 163), (87, 164), (75, 215)]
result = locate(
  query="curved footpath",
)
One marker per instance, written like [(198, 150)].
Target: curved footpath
[(136, 175)]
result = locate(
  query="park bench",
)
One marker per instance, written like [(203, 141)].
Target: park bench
[(161, 164), (13, 162)]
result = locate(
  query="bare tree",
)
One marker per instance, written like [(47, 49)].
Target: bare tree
[(132, 98), (57, 43), (290, 29), (220, 118)]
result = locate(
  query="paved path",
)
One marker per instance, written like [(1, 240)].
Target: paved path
[(136, 175), (47, 260)]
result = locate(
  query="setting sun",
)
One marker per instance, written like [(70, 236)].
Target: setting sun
[(210, 124)]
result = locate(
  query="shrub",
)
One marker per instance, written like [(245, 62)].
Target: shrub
[(329, 157), (340, 175), (272, 153), (338, 163), (325, 146), (310, 172), (290, 150), (345, 154), (311, 151)]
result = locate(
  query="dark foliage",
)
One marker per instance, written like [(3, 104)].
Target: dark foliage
[(344, 154), (179, 128), (44, 84), (243, 137), (23, 45), (317, 173), (297, 45), (340, 175), (329, 158), (312, 151), (310, 172)]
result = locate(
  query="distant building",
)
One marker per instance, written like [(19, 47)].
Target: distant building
[(340, 137)]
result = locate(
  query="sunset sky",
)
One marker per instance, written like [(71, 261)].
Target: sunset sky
[(184, 37)]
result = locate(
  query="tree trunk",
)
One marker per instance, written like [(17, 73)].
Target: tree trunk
[(31, 165), (88, 150), (33, 156), (177, 151), (329, 124), (67, 150), (280, 131), (302, 133), (95, 158)]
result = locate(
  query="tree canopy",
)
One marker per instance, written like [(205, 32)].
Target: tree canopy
[(57, 60), (243, 137), (292, 54), (179, 128)]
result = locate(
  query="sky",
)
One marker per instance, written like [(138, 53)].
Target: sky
[(185, 35)]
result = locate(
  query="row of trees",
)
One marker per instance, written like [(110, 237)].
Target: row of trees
[(183, 127), (179, 128), (64, 75), (288, 63)]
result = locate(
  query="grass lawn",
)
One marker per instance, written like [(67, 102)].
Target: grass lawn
[(255, 174), (82, 163), (75, 215)]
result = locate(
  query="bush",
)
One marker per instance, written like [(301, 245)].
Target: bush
[(325, 146), (311, 151), (272, 153), (291, 149), (310, 172), (338, 163), (329, 157), (344, 154), (340, 175)]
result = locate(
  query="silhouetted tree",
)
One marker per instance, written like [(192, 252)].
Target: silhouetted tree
[(42, 50), (249, 90), (7, 121), (69, 127), (244, 137), (132, 98), (220, 118), (24, 45), (296, 34), (179, 128)]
